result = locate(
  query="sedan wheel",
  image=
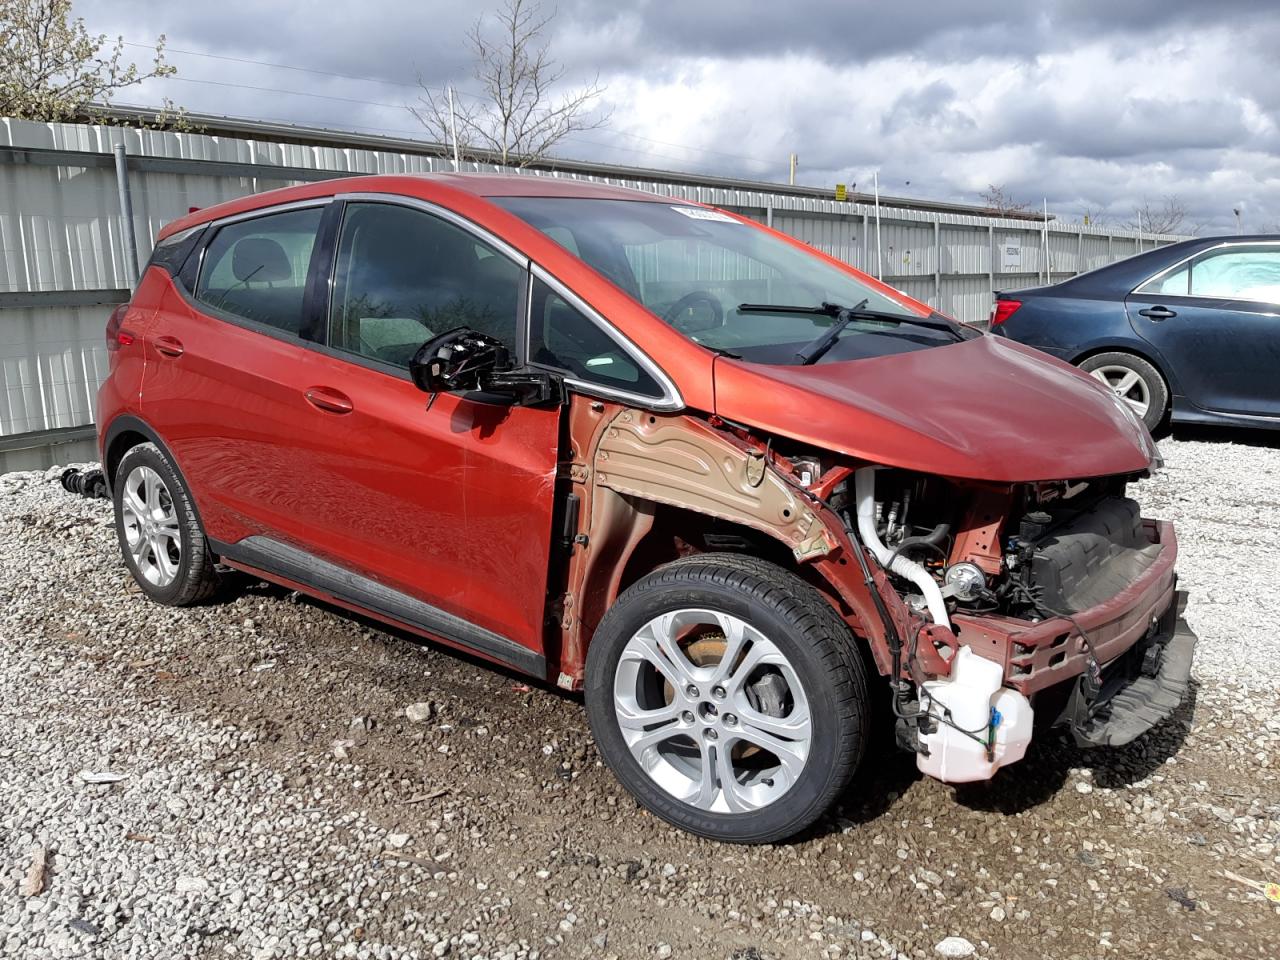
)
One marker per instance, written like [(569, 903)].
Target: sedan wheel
[(1127, 385), (1133, 380)]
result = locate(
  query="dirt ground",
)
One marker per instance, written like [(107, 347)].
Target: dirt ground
[(266, 750)]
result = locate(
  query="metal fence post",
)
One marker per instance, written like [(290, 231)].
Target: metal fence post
[(866, 245), (937, 265), (991, 262), (126, 216)]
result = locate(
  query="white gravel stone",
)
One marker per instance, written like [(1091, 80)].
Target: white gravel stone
[(955, 947)]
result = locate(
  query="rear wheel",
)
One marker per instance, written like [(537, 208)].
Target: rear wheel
[(159, 532), (728, 698), (1133, 380)]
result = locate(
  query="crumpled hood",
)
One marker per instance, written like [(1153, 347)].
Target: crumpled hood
[(983, 409)]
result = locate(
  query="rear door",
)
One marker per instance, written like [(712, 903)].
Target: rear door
[(1216, 321), (230, 358), (450, 503)]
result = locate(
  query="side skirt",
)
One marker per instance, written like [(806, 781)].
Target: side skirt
[(272, 557)]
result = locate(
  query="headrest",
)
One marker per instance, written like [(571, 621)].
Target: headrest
[(260, 259)]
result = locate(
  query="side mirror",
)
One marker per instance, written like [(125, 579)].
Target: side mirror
[(457, 361), (467, 361)]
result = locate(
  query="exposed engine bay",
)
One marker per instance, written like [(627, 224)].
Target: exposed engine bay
[(1032, 553), (1056, 548)]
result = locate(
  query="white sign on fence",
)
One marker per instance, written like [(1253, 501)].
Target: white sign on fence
[(1011, 254)]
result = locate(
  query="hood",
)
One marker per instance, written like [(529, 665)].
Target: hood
[(982, 409)]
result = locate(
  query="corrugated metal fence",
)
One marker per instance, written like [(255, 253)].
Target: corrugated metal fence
[(62, 261)]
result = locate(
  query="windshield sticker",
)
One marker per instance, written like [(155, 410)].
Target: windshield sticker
[(701, 213)]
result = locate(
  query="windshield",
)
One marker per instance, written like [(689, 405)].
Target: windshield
[(695, 268)]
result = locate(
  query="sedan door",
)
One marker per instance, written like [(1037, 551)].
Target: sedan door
[(1216, 321)]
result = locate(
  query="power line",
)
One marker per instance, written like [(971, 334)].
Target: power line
[(400, 83), (292, 93), (267, 63), (400, 106)]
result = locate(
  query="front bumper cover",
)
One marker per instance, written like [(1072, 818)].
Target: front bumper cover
[(1139, 689)]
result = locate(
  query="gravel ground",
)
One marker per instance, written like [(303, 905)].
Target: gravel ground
[(272, 798)]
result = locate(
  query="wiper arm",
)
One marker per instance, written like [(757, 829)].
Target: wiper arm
[(844, 316), (816, 348)]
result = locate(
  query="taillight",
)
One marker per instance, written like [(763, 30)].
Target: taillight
[(117, 336), (1002, 310)]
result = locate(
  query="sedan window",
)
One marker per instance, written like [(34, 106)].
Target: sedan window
[(1174, 285), (1245, 274)]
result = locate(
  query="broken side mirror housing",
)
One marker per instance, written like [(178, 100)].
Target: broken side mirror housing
[(473, 363)]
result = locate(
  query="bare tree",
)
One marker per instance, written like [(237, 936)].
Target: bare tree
[(1163, 216), (1094, 217), (519, 118), (52, 68), (997, 199)]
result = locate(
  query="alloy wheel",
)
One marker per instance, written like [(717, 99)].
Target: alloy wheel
[(1126, 384), (151, 529), (712, 711)]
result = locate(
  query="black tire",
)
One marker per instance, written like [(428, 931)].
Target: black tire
[(195, 580), (816, 643), (1152, 382)]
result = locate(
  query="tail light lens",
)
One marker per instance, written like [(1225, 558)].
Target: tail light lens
[(117, 336), (1002, 310)]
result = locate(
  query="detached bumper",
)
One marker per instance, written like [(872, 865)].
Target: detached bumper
[(1139, 689)]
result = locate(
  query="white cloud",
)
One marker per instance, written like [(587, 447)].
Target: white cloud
[(1082, 103)]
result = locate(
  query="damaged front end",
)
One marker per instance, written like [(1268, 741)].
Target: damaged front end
[(1030, 606), (994, 610)]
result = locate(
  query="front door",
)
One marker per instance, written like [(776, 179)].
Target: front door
[(449, 502), (1216, 321)]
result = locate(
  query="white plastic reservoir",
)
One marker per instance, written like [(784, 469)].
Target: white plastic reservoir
[(975, 698)]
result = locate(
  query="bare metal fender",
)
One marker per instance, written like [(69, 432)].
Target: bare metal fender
[(683, 462)]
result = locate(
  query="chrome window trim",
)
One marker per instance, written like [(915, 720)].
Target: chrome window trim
[(256, 212), (670, 401), (1174, 268)]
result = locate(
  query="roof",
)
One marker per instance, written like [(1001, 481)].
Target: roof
[(483, 185), (514, 185)]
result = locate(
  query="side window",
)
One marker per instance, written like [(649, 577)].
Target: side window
[(1245, 274), (1175, 284), (257, 269), (403, 276), (561, 337)]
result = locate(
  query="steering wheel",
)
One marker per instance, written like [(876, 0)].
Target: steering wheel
[(692, 299)]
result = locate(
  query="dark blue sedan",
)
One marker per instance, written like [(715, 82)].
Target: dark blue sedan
[(1190, 331)]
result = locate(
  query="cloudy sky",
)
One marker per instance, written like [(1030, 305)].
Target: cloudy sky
[(1092, 104)]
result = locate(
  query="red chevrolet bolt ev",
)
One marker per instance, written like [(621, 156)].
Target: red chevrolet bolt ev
[(653, 451)]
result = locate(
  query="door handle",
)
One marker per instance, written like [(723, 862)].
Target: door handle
[(169, 346), (1158, 313), (329, 400)]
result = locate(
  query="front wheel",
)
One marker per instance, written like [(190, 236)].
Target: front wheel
[(728, 698)]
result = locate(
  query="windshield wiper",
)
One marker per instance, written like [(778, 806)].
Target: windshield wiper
[(813, 350)]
